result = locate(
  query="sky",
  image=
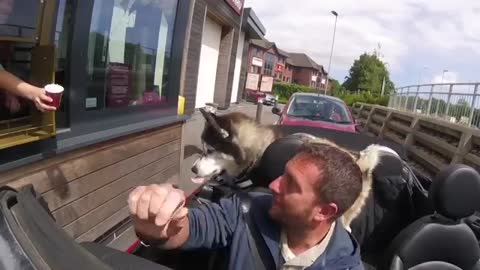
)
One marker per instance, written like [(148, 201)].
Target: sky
[(418, 39)]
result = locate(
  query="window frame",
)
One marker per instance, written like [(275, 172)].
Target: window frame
[(80, 118), (269, 72), (84, 127)]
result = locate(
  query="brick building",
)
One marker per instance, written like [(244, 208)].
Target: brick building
[(265, 59), (303, 70)]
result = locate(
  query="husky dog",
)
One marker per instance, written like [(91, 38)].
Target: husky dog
[(234, 143)]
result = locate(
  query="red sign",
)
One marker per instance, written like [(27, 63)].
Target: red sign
[(279, 68), (237, 5)]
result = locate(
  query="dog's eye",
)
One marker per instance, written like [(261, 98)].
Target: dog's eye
[(209, 150)]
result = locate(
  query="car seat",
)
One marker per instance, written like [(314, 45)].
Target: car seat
[(442, 236)]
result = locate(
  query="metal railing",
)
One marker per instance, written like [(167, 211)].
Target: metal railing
[(452, 102)]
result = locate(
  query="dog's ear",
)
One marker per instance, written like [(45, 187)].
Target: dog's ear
[(211, 120)]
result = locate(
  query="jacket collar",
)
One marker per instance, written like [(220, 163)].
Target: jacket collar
[(342, 250)]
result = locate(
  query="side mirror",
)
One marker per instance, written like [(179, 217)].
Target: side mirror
[(358, 125), (276, 111)]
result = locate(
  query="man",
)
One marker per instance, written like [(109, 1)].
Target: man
[(298, 223)]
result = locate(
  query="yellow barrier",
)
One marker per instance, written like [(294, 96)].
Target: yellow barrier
[(181, 105)]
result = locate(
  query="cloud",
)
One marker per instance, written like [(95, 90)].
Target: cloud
[(449, 77), (441, 27)]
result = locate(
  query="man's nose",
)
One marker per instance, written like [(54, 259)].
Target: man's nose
[(275, 185)]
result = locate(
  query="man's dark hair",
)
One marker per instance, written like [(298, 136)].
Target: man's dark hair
[(340, 180)]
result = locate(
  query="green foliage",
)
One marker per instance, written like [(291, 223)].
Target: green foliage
[(285, 90), (367, 73), (364, 97)]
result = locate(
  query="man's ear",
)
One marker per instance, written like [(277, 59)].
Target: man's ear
[(325, 212), (212, 121)]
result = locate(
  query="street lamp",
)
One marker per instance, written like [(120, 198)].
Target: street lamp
[(331, 50), (421, 74), (443, 74)]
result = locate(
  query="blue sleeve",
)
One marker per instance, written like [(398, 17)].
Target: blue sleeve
[(212, 226)]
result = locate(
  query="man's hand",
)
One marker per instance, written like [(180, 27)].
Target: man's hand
[(38, 97), (158, 211)]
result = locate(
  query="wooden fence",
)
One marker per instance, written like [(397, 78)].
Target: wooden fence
[(430, 143)]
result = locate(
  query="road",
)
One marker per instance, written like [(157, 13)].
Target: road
[(192, 142)]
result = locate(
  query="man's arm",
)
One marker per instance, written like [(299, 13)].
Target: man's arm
[(161, 219), (212, 226)]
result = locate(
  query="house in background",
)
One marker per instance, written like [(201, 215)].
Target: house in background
[(303, 70), (267, 63)]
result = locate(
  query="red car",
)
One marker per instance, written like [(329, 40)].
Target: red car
[(309, 109)]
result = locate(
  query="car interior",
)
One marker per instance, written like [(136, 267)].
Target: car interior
[(439, 230)]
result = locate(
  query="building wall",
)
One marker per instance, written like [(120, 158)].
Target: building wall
[(225, 68), (230, 21), (193, 55), (238, 68), (288, 74), (246, 61), (87, 190), (254, 51), (303, 76)]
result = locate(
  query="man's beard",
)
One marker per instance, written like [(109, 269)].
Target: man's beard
[(289, 219)]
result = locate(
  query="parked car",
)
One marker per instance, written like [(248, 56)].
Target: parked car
[(309, 109), (269, 99), (262, 97)]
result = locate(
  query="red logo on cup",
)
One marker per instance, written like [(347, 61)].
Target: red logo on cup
[(55, 92)]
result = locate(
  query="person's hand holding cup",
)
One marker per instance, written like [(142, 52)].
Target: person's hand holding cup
[(55, 93), (46, 99)]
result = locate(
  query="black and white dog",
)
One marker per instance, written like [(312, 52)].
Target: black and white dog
[(234, 144)]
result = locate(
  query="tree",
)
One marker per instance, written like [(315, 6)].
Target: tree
[(367, 73), (335, 87)]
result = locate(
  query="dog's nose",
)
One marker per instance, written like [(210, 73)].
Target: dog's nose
[(195, 170)]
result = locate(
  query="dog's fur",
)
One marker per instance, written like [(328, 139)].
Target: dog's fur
[(236, 142)]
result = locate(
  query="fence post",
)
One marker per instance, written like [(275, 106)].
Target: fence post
[(398, 104), (472, 107), (416, 100), (258, 117), (406, 100), (448, 99), (429, 107)]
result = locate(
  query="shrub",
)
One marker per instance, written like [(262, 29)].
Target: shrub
[(285, 90), (364, 97)]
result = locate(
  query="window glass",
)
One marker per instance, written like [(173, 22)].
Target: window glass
[(269, 62), (19, 18), (129, 52), (319, 108)]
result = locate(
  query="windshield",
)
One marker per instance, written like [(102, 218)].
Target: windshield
[(319, 108)]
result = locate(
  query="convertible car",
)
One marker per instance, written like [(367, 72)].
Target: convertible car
[(409, 222)]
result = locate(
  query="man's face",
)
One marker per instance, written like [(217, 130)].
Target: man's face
[(295, 202), (6, 7)]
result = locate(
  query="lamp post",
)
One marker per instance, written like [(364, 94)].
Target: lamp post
[(443, 74), (331, 50), (421, 74)]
